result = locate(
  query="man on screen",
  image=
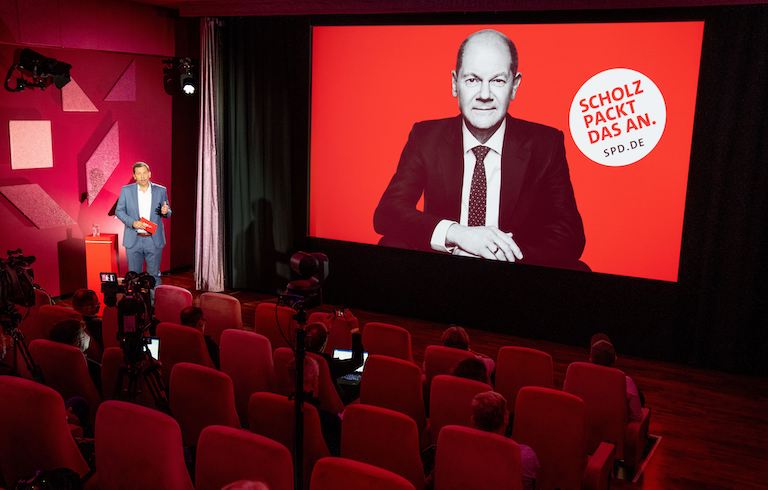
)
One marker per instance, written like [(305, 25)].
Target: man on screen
[(494, 186)]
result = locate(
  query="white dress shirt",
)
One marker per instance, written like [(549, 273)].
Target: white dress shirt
[(145, 205), (493, 185)]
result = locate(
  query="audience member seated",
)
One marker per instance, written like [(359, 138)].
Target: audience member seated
[(86, 302), (192, 316), (458, 338), (315, 341), (330, 422), (603, 353), (72, 332), (472, 368), (489, 413)]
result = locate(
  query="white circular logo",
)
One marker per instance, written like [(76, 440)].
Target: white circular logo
[(617, 117)]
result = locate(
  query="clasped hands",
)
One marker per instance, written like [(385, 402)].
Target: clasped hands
[(484, 241)]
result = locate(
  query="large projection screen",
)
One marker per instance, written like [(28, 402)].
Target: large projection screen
[(622, 94)]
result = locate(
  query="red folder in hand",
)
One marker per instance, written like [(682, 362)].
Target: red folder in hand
[(151, 227)]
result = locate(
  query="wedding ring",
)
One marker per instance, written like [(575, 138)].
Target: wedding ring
[(495, 249)]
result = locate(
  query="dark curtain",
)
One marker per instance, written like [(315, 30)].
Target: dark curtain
[(725, 253), (266, 77)]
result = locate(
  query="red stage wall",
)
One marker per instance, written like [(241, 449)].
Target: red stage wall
[(144, 124)]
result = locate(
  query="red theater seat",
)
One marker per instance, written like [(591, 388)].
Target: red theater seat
[(201, 396), (275, 323), (339, 328), (604, 392), (169, 301), (346, 474), (439, 359), (35, 434), (273, 416), (221, 311), (38, 325), (138, 448), (451, 402), (247, 358), (470, 459), (553, 424), (520, 366), (225, 455), (387, 340), (111, 361), (65, 369), (395, 384), (181, 344), (285, 383), (383, 438), (109, 327)]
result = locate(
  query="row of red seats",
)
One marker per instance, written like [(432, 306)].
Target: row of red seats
[(137, 447)]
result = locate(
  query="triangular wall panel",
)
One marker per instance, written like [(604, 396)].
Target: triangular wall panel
[(74, 99), (102, 163), (124, 89)]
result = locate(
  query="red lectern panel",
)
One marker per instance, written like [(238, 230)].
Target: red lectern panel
[(100, 256)]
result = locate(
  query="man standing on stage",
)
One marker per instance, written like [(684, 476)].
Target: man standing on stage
[(140, 208)]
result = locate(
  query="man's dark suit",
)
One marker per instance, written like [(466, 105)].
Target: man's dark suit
[(536, 199)]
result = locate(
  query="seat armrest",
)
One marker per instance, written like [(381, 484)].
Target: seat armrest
[(597, 474)]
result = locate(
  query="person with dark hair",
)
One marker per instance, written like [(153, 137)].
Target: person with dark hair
[(315, 341), (86, 302), (494, 186), (472, 368), (458, 338), (603, 353), (192, 316), (490, 414)]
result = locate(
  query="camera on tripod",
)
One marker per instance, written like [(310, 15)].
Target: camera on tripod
[(17, 287), (134, 313), (17, 279), (306, 291), (133, 284)]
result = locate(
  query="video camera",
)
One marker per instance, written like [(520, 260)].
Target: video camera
[(134, 314), (306, 291), (17, 287), (133, 284), (17, 279)]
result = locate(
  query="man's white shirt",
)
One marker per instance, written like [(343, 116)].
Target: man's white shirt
[(145, 204), (493, 186)]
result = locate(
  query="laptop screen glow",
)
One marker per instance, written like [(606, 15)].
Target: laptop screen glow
[(343, 354)]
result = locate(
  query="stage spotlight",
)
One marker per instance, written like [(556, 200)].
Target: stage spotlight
[(179, 73), (187, 78), (37, 71)]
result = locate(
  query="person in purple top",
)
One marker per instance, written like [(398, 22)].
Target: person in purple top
[(603, 353), (490, 414)]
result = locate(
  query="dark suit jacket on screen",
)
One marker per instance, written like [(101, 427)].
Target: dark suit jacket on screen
[(536, 200)]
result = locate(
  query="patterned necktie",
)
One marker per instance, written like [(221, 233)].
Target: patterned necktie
[(478, 191)]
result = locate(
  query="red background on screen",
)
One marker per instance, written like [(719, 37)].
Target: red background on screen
[(371, 83)]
